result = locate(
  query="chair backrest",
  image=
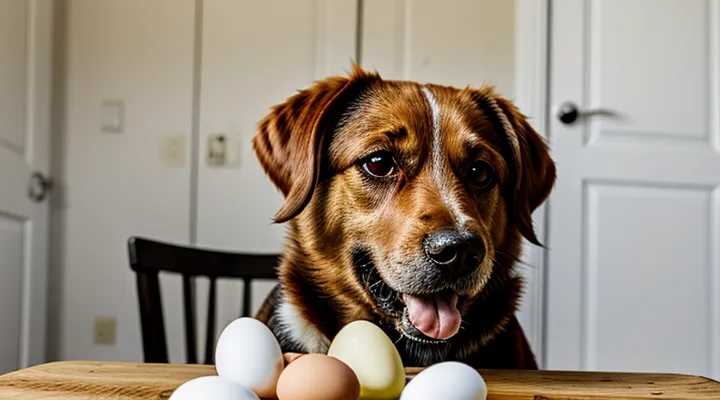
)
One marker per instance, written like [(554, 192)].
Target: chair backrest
[(149, 257)]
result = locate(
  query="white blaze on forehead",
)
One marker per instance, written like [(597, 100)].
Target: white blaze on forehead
[(437, 145), (438, 162)]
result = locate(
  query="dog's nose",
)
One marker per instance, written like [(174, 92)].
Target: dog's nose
[(459, 252)]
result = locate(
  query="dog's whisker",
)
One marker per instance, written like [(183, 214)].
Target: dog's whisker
[(387, 297), (366, 279), (375, 284)]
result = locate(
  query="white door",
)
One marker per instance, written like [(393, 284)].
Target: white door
[(634, 221), (25, 71)]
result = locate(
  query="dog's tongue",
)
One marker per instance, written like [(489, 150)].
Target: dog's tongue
[(435, 315)]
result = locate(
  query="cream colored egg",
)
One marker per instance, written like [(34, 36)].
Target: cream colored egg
[(370, 353)]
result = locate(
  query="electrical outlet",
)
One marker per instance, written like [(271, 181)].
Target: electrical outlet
[(104, 332)]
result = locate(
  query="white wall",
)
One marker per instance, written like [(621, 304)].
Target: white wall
[(254, 54), (112, 186), (452, 42)]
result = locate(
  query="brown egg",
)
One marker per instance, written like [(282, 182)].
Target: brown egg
[(318, 377), (290, 357)]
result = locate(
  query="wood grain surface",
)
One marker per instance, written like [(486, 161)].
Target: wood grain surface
[(72, 380)]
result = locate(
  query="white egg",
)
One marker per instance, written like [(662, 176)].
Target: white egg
[(248, 353), (448, 380), (212, 387)]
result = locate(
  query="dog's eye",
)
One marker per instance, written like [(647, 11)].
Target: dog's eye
[(481, 174), (380, 164)]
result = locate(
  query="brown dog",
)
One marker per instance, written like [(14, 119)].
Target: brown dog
[(406, 205)]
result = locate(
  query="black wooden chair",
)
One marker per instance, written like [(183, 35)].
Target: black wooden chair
[(150, 257)]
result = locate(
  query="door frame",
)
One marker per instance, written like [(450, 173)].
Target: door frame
[(532, 38), (39, 84)]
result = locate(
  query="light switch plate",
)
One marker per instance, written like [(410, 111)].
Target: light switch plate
[(217, 149), (222, 150), (111, 116), (172, 150)]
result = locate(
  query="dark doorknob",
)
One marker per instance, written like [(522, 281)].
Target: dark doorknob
[(39, 187), (568, 113)]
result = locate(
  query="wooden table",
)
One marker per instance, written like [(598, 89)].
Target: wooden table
[(113, 380)]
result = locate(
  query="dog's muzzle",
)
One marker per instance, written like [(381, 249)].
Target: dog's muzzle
[(425, 304)]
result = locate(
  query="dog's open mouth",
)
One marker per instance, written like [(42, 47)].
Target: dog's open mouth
[(428, 318), (436, 315)]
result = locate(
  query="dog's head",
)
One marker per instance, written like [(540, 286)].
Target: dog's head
[(404, 194)]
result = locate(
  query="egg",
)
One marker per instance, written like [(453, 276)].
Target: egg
[(212, 387), (450, 380), (248, 353), (318, 377), (290, 357), (370, 353)]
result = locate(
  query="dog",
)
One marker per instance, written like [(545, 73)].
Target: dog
[(406, 205)]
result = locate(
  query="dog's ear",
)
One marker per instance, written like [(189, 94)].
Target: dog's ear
[(533, 171), (291, 139)]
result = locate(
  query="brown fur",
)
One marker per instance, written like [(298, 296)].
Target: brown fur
[(311, 146)]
